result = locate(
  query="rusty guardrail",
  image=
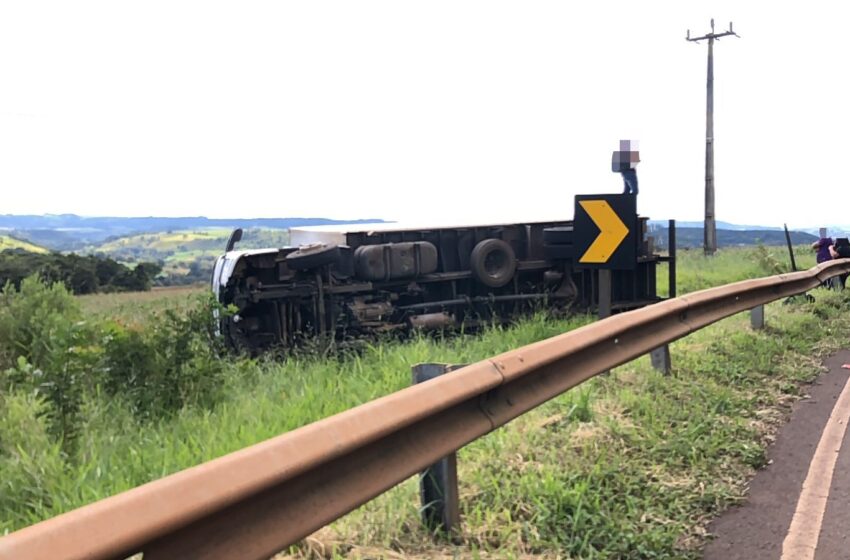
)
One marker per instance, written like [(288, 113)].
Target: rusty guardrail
[(256, 501)]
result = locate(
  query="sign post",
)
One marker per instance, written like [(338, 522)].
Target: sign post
[(604, 293)]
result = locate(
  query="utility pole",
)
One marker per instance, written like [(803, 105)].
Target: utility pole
[(710, 229)]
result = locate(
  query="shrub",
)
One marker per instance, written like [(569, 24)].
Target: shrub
[(46, 348), (175, 362)]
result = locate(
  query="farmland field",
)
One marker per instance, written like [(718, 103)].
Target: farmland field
[(629, 465), (137, 307), (7, 242), (186, 255)]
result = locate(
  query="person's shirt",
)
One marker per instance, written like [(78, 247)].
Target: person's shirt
[(823, 249)]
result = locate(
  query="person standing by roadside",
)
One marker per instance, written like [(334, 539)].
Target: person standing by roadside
[(840, 250), (822, 246), (825, 247)]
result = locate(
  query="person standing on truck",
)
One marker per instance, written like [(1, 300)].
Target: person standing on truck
[(624, 161)]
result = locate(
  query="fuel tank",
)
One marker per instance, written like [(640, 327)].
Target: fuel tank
[(395, 261)]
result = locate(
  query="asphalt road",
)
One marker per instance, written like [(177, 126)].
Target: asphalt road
[(762, 526)]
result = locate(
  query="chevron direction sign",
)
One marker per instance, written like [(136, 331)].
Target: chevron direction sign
[(605, 231)]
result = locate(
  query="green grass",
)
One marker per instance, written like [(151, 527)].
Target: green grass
[(629, 465), (694, 271)]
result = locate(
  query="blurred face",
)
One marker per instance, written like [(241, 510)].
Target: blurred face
[(628, 156)]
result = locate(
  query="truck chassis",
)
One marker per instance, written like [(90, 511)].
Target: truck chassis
[(345, 283)]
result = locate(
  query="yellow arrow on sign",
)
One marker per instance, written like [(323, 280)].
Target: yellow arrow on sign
[(612, 231)]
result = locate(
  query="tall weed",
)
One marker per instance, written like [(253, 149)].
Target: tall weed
[(47, 348), (31, 460), (175, 362)]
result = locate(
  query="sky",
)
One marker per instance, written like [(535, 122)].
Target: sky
[(444, 111)]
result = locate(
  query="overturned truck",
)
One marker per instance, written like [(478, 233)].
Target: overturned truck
[(347, 281)]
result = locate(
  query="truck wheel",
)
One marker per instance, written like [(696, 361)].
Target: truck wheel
[(312, 256), (493, 263)]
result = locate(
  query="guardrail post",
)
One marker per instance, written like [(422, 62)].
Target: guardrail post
[(757, 317), (660, 358), (604, 293), (438, 482)]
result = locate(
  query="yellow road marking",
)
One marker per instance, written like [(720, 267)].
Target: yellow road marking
[(612, 231), (802, 539)]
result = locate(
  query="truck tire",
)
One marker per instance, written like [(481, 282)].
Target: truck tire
[(312, 256), (493, 263)]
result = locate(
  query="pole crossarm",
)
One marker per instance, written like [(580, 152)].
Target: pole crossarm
[(712, 35)]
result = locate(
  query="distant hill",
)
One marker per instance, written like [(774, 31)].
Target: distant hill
[(719, 225), (67, 232), (186, 255), (7, 242), (185, 247), (833, 230), (161, 244), (692, 237)]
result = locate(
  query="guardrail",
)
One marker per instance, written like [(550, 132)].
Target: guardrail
[(256, 501)]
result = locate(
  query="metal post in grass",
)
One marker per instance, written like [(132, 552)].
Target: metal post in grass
[(604, 307), (660, 358), (671, 254), (757, 317), (438, 483)]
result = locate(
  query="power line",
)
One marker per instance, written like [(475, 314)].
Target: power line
[(710, 229)]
